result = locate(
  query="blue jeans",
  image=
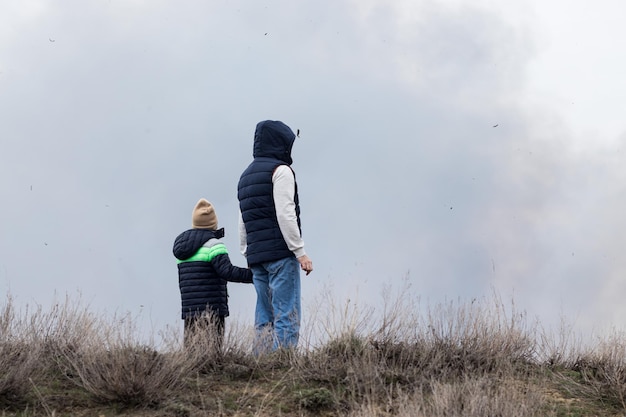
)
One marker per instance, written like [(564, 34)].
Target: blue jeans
[(278, 311)]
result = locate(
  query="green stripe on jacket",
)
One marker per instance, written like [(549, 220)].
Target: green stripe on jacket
[(205, 254)]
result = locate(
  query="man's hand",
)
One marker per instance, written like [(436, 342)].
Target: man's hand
[(306, 264)]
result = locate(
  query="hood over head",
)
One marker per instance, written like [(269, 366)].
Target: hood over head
[(187, 243), (273, 139)]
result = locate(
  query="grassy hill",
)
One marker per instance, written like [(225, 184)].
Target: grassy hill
[(459, 359)]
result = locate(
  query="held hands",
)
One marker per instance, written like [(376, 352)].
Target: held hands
[(306, 264)]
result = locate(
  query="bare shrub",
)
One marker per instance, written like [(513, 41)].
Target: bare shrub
[(559, 348), (18, 363), (63, 329), (112, 365), (19, 354), (337, 353), (604, 368), (475, 338), (330, 321), (409, 348)]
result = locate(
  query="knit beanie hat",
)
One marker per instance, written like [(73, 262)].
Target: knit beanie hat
[(204, 216)]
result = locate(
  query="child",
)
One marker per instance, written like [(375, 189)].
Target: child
[(203, 270)]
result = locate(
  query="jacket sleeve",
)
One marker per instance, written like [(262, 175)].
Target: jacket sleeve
[(230, 272), (284, 188)]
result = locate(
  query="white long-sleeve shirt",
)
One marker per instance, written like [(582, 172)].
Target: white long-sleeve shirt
[(284, 190)]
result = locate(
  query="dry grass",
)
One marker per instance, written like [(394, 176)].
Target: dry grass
[(476, 358)]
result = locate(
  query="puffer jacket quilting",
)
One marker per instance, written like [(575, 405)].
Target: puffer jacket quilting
[(273, 141), (204, 268)]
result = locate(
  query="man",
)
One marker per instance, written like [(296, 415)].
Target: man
[(271, 238)]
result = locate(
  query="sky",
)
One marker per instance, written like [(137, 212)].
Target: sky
[(450, 149)]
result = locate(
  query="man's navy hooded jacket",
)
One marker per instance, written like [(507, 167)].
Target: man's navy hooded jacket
[(273, 141)]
